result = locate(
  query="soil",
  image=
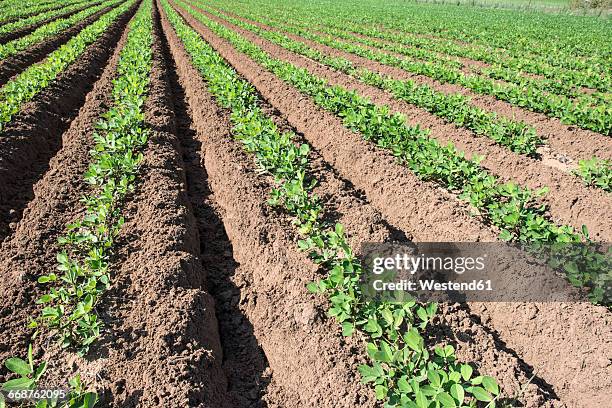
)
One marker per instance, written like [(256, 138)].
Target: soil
[(506, 332), (570, 201), (17, 63), (34, 135), (208, 306)]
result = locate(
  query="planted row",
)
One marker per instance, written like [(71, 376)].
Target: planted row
[(23, 9), (83, 265), (35, 19), (30, 82), (536, 40), (403, 370), (49, 30), (119, 138), (515, 210), (454, 108), (581, 113)]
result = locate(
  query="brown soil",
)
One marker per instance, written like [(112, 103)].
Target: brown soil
[(570, 201), (332, 141), (22, 32), (34, 135), (20, 61), (208, 306), (30, 250), (566, 141)]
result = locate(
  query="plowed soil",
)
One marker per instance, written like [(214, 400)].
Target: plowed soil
[(208, 306)]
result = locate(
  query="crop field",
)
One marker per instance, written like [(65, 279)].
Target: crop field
[(188, 189)]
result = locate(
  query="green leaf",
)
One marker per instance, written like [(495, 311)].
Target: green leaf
[(413, 339), (446, 400), (18, 366), (490, 385), (347, 329), (18, 384), (458, 393), (434, 378), (403, 385), (466, 371), (381, 392), (90, 399), (421, 400), (480, 394), (312, 287)]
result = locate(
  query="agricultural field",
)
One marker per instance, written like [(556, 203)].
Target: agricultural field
[(189, 188)]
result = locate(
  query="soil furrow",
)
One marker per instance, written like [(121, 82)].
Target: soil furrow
[(565, 141), (492, 358), (244, 363), (31, 250), (306, 355), (162, 346), (387, 185), (34, 135), (570, 201), (19, 62), (22, 32)]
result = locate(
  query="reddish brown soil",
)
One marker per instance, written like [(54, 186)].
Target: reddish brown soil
[(19, 62), (34, 135), (208, 306), (22, 32), (567, 142), (30, 250), (571, 202), (329, 137)]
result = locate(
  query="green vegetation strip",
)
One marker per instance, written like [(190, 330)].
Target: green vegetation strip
[(120, 136), (33, 20), (557, 80), (403, 370), (454, 108), (596, 173), (30, 82), (49, 30), (23, 9), (580, 112), (515, 210)]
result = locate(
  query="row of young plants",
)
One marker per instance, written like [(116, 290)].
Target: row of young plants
[(33, 80), (50, 30), (580, 112), (426, 49), (22, 9), (83, 265), (404, 371), (556, 80), (48, 15), (596, 173), (556, 40), (517, 211), (454, 107), (374, 22)]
